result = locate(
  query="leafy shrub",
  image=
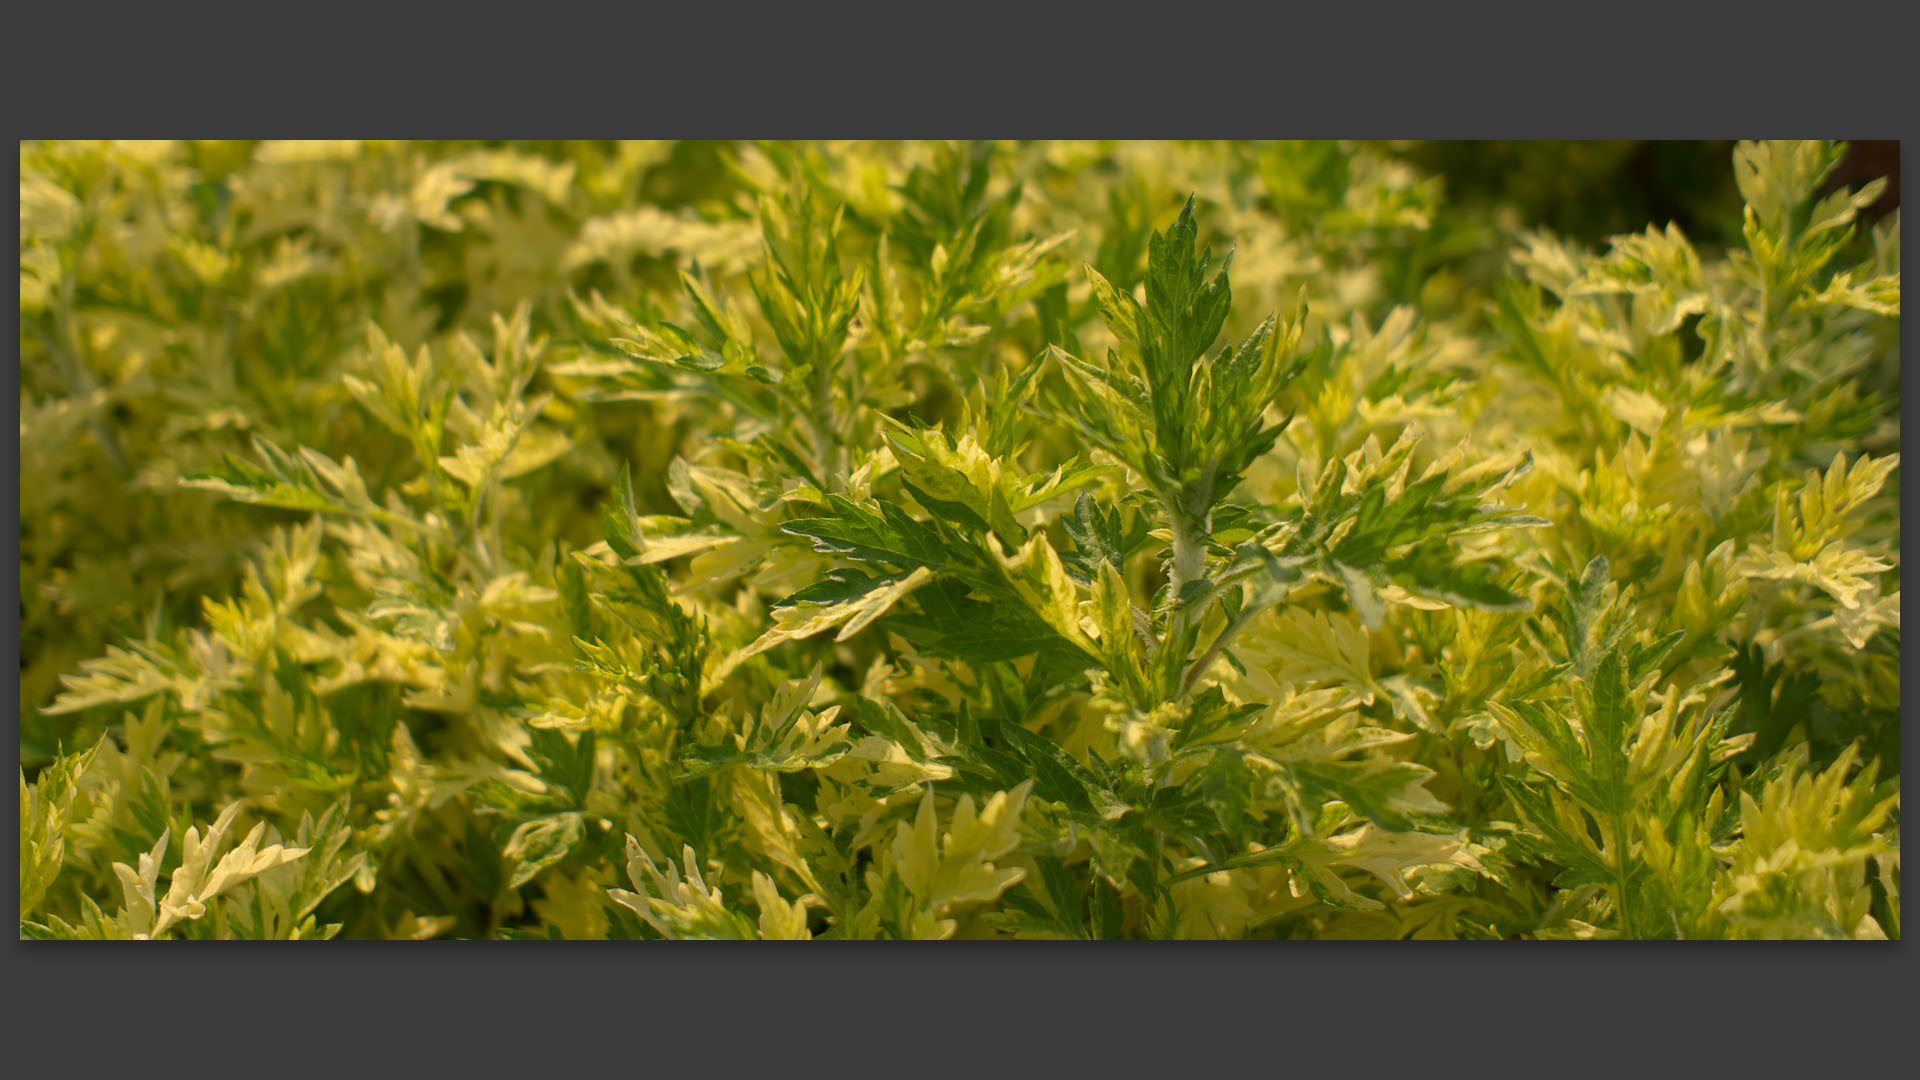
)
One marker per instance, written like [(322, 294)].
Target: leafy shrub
[(928, 540)]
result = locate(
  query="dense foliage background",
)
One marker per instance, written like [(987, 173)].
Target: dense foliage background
[(867, 540)]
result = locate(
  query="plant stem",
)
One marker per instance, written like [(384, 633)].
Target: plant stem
[(1199, 667), (1189, 546), (1620, 874), (1191, 531)]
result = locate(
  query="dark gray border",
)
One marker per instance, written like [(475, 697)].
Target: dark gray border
[(1461, 71)]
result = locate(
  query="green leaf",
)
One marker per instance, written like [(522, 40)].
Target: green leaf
[(848, 599), (538, 844)]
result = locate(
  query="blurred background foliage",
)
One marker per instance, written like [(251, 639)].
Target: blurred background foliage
[(1590, 190)]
